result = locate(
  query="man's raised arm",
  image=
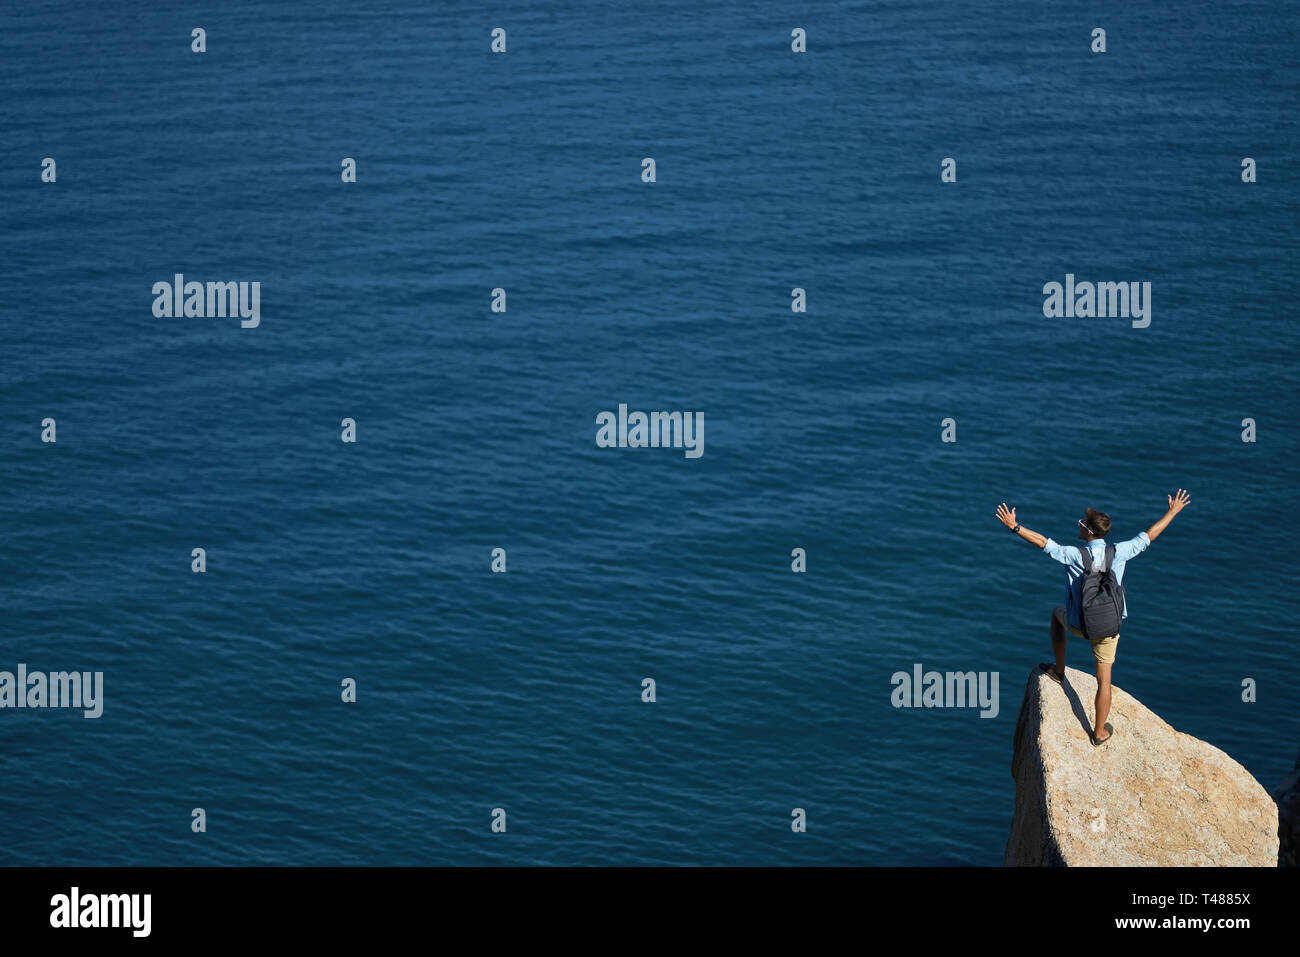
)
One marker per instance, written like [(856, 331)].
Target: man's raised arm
[(1176, 505), (1007, 516)]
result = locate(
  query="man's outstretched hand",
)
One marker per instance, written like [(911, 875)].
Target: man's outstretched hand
[(1176, 504), (1007, 516)]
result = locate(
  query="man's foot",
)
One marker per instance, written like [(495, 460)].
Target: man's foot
[(1052, 673), (1110, 733)]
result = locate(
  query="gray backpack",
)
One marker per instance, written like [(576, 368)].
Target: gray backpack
[(1101, 597)]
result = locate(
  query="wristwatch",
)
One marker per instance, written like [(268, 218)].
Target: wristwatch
[(1017, 528)]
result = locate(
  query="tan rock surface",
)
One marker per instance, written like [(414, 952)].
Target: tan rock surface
[(1150, 796)]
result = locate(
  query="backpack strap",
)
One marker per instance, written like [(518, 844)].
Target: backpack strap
[(1086, 555), (1110, 557)]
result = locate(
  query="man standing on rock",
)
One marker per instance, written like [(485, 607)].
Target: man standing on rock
[(1092, 529)]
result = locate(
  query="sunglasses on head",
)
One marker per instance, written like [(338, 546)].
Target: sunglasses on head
[(1084, 526)]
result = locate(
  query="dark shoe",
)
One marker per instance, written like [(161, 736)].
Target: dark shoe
[(1110, 734), (1050, 670)]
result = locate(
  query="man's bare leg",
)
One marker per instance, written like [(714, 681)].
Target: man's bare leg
[(1102, 703), (1059, 638)]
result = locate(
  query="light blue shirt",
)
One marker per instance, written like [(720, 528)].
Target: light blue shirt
[(1068, 555)]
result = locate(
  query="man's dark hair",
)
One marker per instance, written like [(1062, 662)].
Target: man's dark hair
[(1098, 522)]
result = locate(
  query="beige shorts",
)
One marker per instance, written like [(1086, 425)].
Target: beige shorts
[(1103, 649)]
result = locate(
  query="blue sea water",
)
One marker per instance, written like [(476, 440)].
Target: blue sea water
[(476, 429)]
